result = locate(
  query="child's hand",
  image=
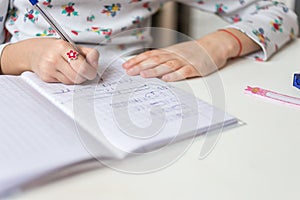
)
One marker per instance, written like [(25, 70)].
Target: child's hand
[(177, 62), (48, 58), (189, 59)]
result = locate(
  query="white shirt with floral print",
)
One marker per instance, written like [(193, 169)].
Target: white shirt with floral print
[(117, 22)]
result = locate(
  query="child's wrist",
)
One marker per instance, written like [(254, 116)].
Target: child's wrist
[(232, 41), (13, 60), (220, 46), (240, 43), (2, 47)]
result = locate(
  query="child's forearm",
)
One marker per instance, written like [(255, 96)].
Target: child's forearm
[(14, 59)]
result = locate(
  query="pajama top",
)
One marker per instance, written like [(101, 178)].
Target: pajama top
[(119, 23)]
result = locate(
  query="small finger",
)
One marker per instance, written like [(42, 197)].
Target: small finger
[(92, 57), (162, 69), (84, 69), (141, 57), (66, 69), (149, 63), (187, 71), (62, 78), (49, 79)]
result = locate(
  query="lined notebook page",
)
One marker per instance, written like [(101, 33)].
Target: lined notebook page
[(35, 138), (132, 113)]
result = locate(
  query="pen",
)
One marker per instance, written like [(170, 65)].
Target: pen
[(55, 25)]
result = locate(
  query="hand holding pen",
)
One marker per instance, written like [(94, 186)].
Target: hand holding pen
[(54, 60), (73, 54)]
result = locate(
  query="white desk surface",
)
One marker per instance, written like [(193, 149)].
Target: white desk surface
[(259, 160)]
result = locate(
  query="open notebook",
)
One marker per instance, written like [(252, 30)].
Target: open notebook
[(46, 127)]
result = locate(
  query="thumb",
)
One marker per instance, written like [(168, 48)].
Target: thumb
[(91, 56)]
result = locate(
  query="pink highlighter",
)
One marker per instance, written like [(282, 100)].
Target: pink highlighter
[(273, 95)]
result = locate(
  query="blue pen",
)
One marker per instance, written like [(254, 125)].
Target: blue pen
[(55, 25)]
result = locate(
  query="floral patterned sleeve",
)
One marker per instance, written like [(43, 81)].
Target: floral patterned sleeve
[(3, 12), (269, 23)]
